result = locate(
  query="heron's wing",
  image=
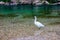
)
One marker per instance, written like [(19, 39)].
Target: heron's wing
[(40, 24)]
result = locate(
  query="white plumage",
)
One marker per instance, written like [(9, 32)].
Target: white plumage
[(38, 24)]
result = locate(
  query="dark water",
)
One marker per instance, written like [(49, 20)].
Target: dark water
[(30, 9)]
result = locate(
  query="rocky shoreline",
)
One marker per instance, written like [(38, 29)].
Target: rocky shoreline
[(27, 2)]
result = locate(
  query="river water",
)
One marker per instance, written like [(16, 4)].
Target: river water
[(53, 10)]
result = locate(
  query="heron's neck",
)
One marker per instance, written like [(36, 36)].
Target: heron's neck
[(35, 19)]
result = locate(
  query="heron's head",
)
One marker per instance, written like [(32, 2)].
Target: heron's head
[(35, 17)]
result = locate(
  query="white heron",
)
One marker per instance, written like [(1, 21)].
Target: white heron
[(38, 24)]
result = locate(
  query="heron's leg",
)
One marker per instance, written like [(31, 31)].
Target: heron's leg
[(39, 28)]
